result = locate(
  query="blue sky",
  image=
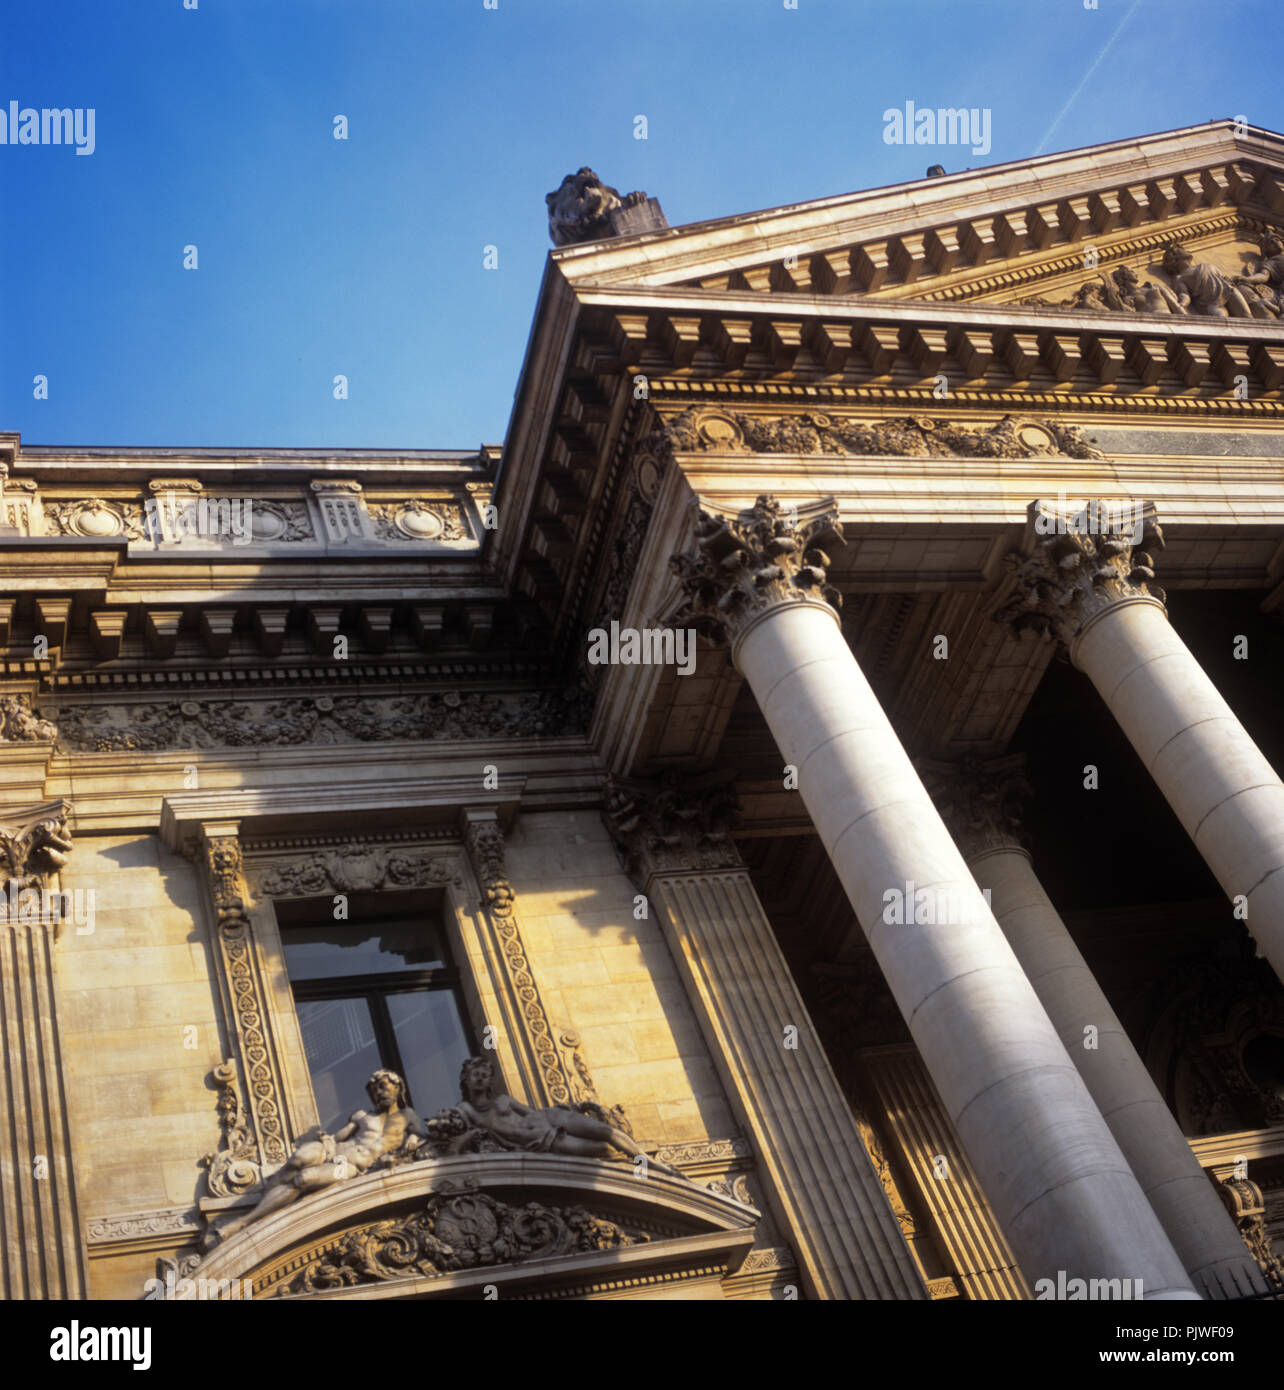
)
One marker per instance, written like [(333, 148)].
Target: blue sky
[(214, 127)]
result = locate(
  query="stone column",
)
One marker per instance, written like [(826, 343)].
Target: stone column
[(1053, 1173), (821, 1187), (981, 806), (1093, 590), (43, 1254)]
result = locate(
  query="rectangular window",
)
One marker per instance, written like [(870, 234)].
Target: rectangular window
[(377, 989)]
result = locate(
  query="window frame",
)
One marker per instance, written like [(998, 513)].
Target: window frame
[(374, 989)]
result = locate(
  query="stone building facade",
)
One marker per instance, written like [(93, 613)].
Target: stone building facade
[(823, 762)]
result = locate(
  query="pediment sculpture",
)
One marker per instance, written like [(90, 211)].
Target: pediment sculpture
[(1193, 287), (485, 1120)]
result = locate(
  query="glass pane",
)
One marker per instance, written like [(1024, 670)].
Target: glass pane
[(322, 951), (339, 1039), (430, 1037)]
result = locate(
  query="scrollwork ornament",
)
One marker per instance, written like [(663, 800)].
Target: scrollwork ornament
[(459, 1231)]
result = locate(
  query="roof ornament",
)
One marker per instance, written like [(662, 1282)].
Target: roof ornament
[(584, 208)]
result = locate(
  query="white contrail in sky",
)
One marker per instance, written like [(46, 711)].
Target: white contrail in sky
[(1096, 63)]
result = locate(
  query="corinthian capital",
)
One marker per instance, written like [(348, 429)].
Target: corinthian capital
[(34, 843), (673, 823), (980, 801), (1081, 566), (744, 565)]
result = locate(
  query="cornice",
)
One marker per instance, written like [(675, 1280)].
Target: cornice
[(952, 225), (1267, 411)]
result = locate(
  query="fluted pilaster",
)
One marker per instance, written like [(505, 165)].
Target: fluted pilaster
[(822, 1188), (43, 1254)]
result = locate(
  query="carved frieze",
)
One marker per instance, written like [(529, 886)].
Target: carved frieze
[(356, 868), (104, 1230), (1080, 569), (672, 823), (96, 518), (419, 519), (809, 432), (279, 522), (322, 719), (705, 1151), (744, 565), (457, 1231), (19, 723)]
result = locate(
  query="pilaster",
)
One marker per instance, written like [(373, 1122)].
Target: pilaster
[(819, 1182), (243, 995), (43, 1253)]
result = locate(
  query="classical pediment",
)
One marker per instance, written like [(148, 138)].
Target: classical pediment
[(1005, 235), (447, 1228)]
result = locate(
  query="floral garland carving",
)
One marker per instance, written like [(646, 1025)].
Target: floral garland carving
[(320, 720)]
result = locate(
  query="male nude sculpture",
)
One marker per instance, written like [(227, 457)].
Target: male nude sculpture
[(320, 1160)]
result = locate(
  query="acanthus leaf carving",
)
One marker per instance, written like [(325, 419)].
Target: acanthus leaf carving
[(1080, 568), (980, 800), (744, 565), (673, 823), (34, 843)]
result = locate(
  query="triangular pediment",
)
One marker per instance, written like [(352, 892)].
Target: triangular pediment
[(1029, 233)]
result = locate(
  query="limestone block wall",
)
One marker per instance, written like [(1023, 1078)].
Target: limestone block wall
[(610, 976), (140, 1033)]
